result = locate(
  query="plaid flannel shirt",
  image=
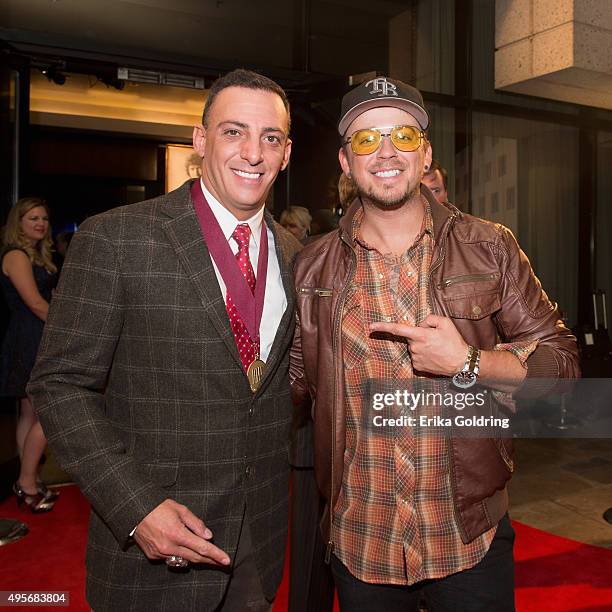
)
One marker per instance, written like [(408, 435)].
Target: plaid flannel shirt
[(394, 519)]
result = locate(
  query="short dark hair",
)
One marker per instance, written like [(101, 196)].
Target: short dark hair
[(435, 165), (248, 79)]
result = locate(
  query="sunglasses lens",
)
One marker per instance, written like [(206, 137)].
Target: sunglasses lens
[(364, 142), (406, 138)]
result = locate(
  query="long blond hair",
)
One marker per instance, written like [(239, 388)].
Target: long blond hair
[(12, 234)]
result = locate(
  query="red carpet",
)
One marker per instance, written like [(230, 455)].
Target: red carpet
[(560, 575), (553, 574), (52, 556)]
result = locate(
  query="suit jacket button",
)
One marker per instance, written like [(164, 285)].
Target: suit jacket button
[(247, 470)]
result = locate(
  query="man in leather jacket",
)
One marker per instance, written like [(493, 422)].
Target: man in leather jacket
[(409, 289)]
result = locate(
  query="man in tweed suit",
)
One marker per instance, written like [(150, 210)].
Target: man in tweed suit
[(143, 393)]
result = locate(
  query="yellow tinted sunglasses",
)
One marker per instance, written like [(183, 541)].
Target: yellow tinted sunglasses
[(405, 138)]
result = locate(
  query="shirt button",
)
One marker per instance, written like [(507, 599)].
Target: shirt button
[(388, 319), (381, 275), (476, 310), (405, 317), (409, 273)]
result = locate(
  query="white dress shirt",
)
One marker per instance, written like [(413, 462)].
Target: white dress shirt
[(275, 301)]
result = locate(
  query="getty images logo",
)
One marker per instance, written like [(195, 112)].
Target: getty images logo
[(381, 86)]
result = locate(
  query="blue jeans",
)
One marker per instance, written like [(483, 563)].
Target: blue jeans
[(486, 587)]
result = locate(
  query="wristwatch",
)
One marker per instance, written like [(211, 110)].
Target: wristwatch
[(468, 375)]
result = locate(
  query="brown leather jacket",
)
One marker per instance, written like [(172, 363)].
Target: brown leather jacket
[(481, 280)]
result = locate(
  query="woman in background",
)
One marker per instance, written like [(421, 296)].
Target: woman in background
[(297, 219), (27, 279)]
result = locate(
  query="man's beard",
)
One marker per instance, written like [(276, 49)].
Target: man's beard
[(386, 201)]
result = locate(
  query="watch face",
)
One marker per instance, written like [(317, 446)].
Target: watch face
[(464, 380)]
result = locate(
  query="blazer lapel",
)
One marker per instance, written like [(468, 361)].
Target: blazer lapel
[(283, 335), (183, 231)]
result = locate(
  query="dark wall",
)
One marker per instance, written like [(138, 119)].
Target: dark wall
[(82, 174), (314, 157)]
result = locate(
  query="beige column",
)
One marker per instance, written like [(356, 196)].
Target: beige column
[(557, 49)]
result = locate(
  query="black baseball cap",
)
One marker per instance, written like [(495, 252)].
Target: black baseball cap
[(382, 91)]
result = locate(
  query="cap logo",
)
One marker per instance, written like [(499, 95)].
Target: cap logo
[(380, 85)]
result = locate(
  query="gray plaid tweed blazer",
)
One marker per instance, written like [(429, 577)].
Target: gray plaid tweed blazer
[(140, 391)]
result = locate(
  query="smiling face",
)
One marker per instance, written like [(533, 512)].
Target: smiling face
[(388, 178), (35, 224), (244, 146)]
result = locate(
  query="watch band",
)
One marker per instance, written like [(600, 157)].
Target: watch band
[(468, 375)]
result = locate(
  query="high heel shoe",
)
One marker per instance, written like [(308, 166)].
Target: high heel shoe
[(48, 494), (36, 502)]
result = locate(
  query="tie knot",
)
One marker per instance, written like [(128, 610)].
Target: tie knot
[(241, 234)]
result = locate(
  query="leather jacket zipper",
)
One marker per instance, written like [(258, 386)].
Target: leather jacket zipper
[(467, 278), (438, 263), (335, 335)]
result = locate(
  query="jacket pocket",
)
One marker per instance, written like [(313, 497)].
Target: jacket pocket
[(318, 291), (474, 307), (163, 473), (468, 278)]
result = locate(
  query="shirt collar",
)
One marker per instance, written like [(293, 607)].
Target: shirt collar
[(228, 222)]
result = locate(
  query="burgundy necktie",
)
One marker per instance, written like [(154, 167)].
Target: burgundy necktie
[(246, 346)]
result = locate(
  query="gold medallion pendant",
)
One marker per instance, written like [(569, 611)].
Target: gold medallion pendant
[(255, 373)]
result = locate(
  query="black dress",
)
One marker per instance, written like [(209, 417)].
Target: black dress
[(23, 334)]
